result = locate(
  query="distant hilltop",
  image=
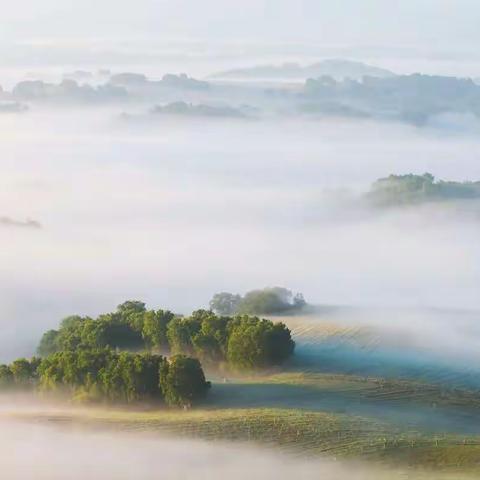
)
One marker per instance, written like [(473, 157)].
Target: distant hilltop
[(397, 190), (336, 68)]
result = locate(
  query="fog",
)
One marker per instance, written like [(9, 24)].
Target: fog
[(135, 165), (159, 36), (175, 211), (68, 453)]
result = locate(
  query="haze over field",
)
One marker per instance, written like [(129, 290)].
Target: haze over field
[(174, 151), (175, 212), (168, 214), (56, 454)]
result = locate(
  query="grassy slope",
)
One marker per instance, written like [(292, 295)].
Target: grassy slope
[(300, 432), (405, 423), (307, 432)]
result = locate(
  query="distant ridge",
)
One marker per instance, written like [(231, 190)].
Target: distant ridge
[(338, 69)]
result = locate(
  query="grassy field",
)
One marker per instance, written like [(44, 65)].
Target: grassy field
[(413, 426), (265, 410), (300, 433)]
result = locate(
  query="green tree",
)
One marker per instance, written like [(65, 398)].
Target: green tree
[(131, 307), (48, 343), (24, 372), (210, 343), (132, 377), (103, 374), (6, 378), (267, 301), (182, 381), (225, 303), (180, 332), (255, 343), (154, 329)]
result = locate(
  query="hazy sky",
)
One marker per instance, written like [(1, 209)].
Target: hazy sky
[(424, 24)]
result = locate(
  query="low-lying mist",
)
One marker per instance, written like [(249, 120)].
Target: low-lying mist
[(51, 453), (421, 344), (176, 212)]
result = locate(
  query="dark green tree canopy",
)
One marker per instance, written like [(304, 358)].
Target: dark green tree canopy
[(202, 335), (182, 381), (106, 375), (243, 342), (255, 343), (130, 327)]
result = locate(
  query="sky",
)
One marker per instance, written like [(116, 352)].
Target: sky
[(373, 21), (442, 28)]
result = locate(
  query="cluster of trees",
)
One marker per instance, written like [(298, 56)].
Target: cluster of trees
[(115, 357), (21, 374), (409, 98), (199, 110), (182, 81), (67, 91), (241, 341), (266, 301), (130, 327), (103, 374), (119, 88), (338, 69), (414, 189)]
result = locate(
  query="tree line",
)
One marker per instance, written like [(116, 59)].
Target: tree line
[(240, 342), (134, 354), (106, 375), (411, 189)]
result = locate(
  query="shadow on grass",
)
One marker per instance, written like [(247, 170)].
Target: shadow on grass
[(337, 356), (403, 415)]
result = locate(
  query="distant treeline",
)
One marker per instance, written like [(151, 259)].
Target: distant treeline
[(410, 98), (241, 342), (415, 189), (266, 301), (103, 374)]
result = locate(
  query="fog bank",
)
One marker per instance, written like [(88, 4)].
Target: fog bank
[(173, 213), (51, 453)]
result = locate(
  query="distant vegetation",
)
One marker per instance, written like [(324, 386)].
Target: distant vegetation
[(266, 301), (335, 87), (415, 189), (169, 80), (336, 68), (74, 90), (200, 110), (67, 91), (409, 98), (103, 374), (240, 342)]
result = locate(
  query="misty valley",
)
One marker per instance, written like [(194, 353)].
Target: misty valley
[(229, 255), (329, 89)]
